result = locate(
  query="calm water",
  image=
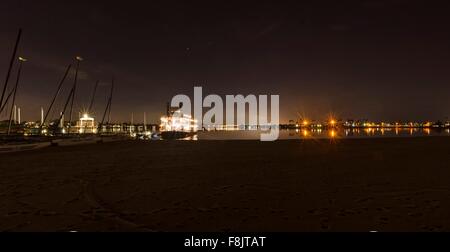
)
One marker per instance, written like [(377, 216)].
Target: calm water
[(321, 134)]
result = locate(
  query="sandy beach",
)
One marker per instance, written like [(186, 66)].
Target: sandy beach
[(384, 184)]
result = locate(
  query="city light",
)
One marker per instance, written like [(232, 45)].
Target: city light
[(305, 133), (332, 133)]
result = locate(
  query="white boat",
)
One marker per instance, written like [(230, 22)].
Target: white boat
[(155, 136), (7, 148)]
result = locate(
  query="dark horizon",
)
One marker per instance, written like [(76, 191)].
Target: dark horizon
[(379, 60)]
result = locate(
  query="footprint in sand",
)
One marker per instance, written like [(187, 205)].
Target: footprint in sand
[(432, 228), (317, 211), (363, 200), (383, 220), (415, 215), (325, 223), (384, 209), (346, 212)]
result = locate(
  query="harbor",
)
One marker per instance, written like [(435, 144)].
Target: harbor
[(219, 124)]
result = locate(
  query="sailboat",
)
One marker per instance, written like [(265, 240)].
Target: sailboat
[(13, 140)]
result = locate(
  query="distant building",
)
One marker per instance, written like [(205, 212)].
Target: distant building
[(86, 124)]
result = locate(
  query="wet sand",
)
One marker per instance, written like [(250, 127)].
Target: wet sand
[(385, 184)]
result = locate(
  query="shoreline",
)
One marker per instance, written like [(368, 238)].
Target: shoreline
[(383, 184)]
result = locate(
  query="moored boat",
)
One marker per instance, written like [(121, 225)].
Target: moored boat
[(176, 125), (14, 147), (167, 135), (112, 138), (70, 141)]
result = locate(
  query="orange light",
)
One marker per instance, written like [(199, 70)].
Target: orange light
[(305, 133), (332, 134)]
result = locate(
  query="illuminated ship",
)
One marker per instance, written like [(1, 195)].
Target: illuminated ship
[(176, 125)]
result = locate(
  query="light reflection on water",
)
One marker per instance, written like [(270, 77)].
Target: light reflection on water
[(325, 134)]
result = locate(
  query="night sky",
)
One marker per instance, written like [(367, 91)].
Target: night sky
[(377, 60)]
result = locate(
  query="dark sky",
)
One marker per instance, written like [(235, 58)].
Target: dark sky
[(361, 59)]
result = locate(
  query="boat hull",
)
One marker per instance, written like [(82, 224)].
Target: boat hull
[(75, 141), (7, 148), (169, 135), (108, 139)]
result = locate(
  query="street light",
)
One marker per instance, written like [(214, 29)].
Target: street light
[(332, 122)]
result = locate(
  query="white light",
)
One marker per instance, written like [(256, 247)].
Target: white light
[(178, 122)]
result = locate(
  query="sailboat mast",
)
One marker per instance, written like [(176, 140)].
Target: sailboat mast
[(110, 100), (145, 122), (6, 100), (65, 107), (13, 107), (108, 108), (56, 94), (93, 97), (10, 66), (78, 58)]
